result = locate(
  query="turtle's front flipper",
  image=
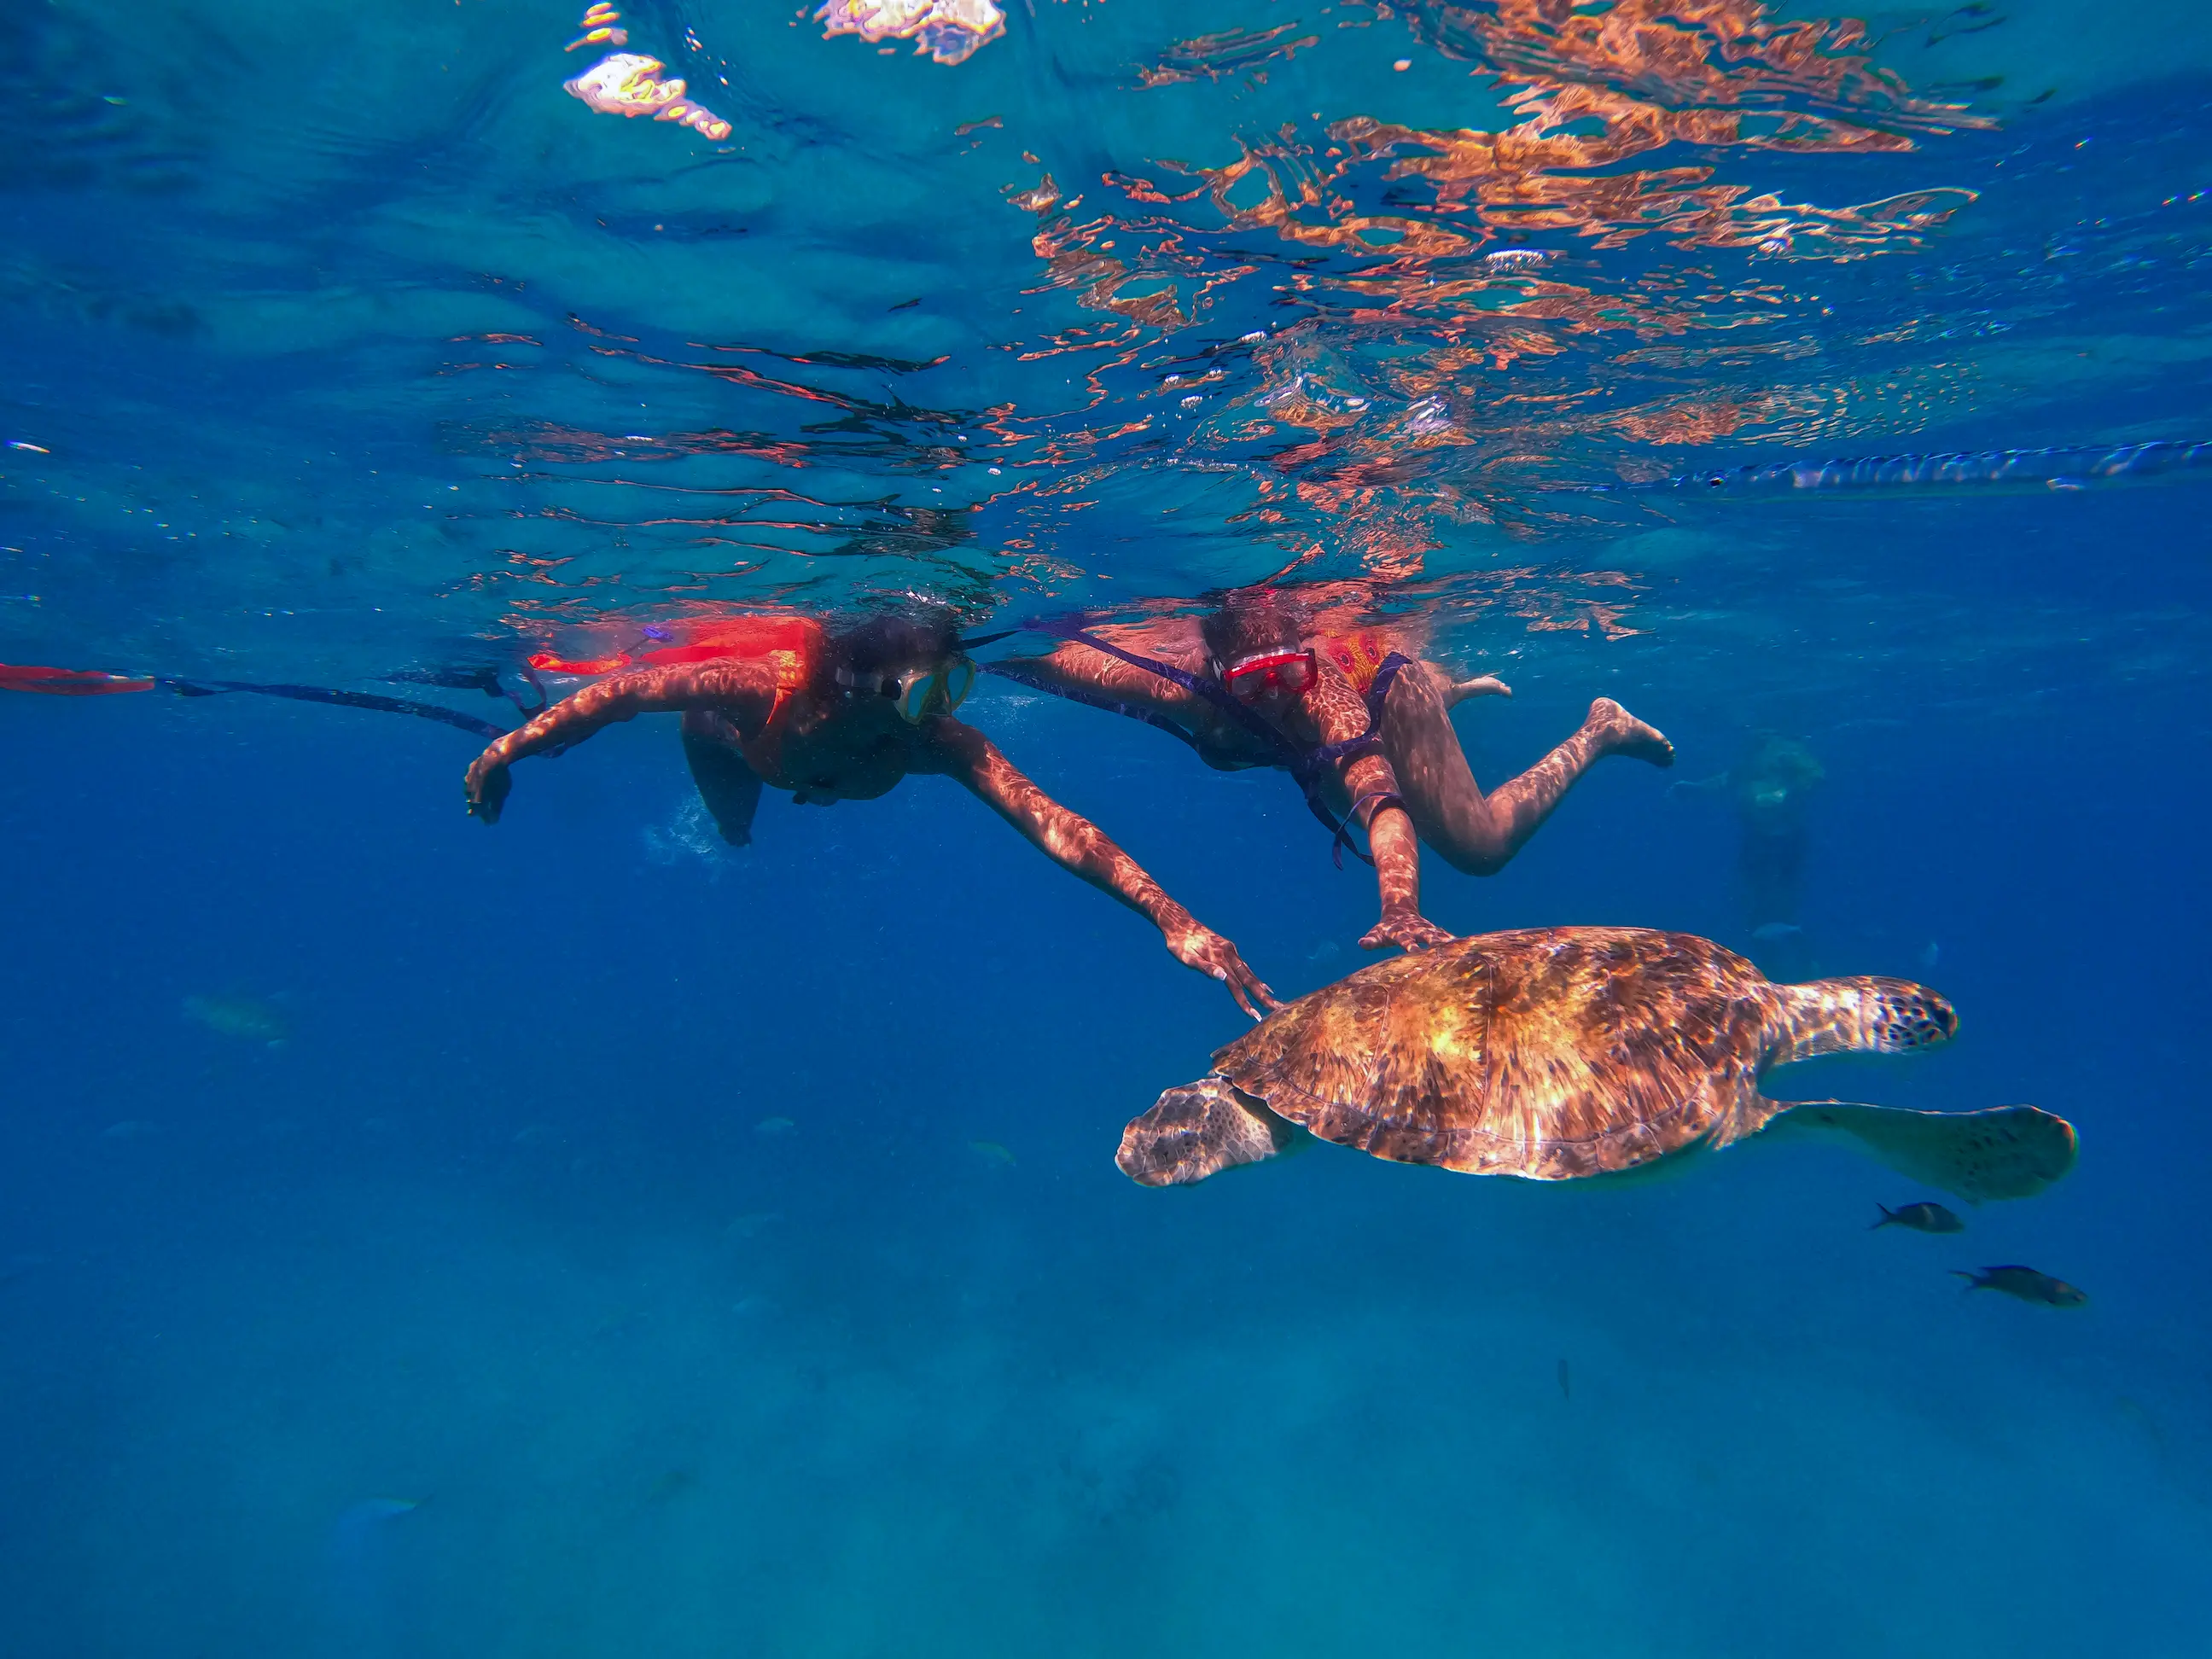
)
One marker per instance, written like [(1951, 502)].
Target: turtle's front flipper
[(2008, 1151), (1198, 1129)]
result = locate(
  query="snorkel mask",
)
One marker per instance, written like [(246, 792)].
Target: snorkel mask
[(918, 692), (1268, 671)]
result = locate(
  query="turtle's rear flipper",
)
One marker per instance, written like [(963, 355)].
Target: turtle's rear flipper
[(2008, 1151), (1197, 1130)]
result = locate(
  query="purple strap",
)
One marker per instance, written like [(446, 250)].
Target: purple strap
[(1381, 798)]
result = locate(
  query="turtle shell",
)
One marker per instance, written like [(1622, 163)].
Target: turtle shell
[(1551, 1053)]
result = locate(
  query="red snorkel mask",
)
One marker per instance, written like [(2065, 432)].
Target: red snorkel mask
[(1269, 671)]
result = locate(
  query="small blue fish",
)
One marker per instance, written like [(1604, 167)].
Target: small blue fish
[(247, 1018), (360, 1516)]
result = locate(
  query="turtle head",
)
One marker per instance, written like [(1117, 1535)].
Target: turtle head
[(1902, 1016), (1860, 1015), (1198, 1129)]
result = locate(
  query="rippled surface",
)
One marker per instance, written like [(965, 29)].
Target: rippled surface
[(1108, 309), (628, 1245)]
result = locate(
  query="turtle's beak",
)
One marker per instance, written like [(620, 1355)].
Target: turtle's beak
[(1908, 1016)]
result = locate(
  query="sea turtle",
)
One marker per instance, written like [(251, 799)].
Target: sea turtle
[(1556, 1053)]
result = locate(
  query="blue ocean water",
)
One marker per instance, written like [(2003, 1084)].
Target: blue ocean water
[(582, 1236)]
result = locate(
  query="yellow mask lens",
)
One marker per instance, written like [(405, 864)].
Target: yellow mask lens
[(916, 692), (928, 691), (959, 680)]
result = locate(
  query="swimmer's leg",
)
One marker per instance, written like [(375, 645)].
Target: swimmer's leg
[(1478, 833), (731, 788)]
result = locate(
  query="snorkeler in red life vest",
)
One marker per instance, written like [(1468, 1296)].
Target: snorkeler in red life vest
[(1263, 679), (839, 714)]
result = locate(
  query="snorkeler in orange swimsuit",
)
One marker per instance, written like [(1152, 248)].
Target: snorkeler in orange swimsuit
[(841, 715), (1262, 680)]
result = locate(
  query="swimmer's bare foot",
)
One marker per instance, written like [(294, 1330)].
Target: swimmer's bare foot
[(1616, 732), (1486, 685)]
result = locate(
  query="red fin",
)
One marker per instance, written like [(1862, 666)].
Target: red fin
[(546, 662), (69, 682)]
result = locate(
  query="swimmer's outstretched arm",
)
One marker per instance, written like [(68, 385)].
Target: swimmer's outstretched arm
[(745, 691), (1340, 713), (1076, 666), (1076, 844)]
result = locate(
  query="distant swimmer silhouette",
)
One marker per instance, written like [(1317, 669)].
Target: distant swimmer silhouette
[(1266, 678), (839, 714), (1555, 1054), (1769, 789)]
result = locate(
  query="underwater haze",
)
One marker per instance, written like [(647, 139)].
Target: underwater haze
[(584, 1236)]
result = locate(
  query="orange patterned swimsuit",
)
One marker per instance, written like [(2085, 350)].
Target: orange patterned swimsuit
[(1359, 656)]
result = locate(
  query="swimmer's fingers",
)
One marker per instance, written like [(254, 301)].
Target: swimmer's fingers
[(1215, 956), (486, 788), (1409, 930), (1247, 987)]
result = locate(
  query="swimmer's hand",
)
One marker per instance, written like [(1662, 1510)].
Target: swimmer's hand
[(1408, 929), (486, 788), (1198, 946)]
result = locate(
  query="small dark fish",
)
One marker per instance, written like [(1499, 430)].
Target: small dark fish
[(908, 304), (2028, 1285), (1921, 1217), (1565, 1393)]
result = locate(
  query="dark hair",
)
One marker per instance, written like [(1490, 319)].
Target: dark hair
[(884, 642), (1250, 620)]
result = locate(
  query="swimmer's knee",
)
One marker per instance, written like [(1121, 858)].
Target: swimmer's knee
[(1475, 860)]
